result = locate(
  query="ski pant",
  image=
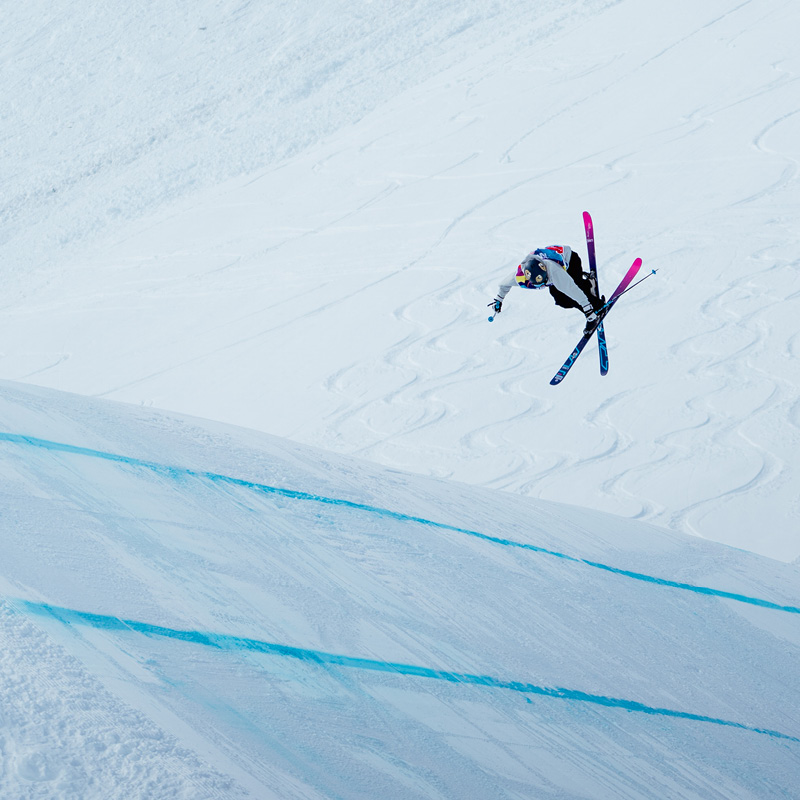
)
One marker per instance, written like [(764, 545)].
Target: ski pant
[(569, 288)]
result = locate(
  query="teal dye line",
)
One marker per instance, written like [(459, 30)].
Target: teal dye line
[(69, 616), (174, 472)]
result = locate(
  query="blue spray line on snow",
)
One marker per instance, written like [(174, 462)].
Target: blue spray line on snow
[(386, 514), (221, 641)]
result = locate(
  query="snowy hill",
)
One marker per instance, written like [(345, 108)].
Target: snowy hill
[(288, 219), (291, 218), (194, 610)]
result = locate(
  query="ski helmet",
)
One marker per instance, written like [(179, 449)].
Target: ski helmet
[(531, 273)]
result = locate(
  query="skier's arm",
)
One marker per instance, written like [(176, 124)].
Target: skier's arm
[(503, 290)]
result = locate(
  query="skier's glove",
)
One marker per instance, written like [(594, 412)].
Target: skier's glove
[(496, 305)]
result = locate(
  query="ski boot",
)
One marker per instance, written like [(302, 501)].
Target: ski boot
[(595, 317)]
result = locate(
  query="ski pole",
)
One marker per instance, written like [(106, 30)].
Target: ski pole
[(652, 272)]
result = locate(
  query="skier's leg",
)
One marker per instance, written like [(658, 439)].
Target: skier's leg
[(561, 299), (585, 280), (561, 280), (574, 267)]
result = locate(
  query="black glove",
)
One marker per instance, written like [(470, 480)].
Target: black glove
[(497, 305)]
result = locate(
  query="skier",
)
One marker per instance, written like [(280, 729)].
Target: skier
[(559, 269)]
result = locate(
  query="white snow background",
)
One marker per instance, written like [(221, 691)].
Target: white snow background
[(289, 218)]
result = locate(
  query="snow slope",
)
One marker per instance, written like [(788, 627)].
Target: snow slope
[(194, 610), (291, 216)]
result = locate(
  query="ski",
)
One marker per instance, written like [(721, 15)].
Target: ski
[(602, 348), (623, 286)]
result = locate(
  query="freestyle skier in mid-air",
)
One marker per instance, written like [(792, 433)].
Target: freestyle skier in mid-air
[(559, 269)]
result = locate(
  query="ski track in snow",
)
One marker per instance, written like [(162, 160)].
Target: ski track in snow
[(417, 405), (436, 186)]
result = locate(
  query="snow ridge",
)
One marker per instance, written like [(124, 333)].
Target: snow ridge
[(171, 470)]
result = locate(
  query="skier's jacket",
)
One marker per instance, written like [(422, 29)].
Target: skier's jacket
[(546, 266)]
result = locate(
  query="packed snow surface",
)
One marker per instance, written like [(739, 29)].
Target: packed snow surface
[(200, 611), (291, 216)]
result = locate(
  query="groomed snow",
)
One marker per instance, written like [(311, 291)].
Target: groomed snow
[(193, 610)]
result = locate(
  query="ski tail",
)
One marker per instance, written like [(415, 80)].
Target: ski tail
[(589, 228), (602, 347), (626, 281)]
